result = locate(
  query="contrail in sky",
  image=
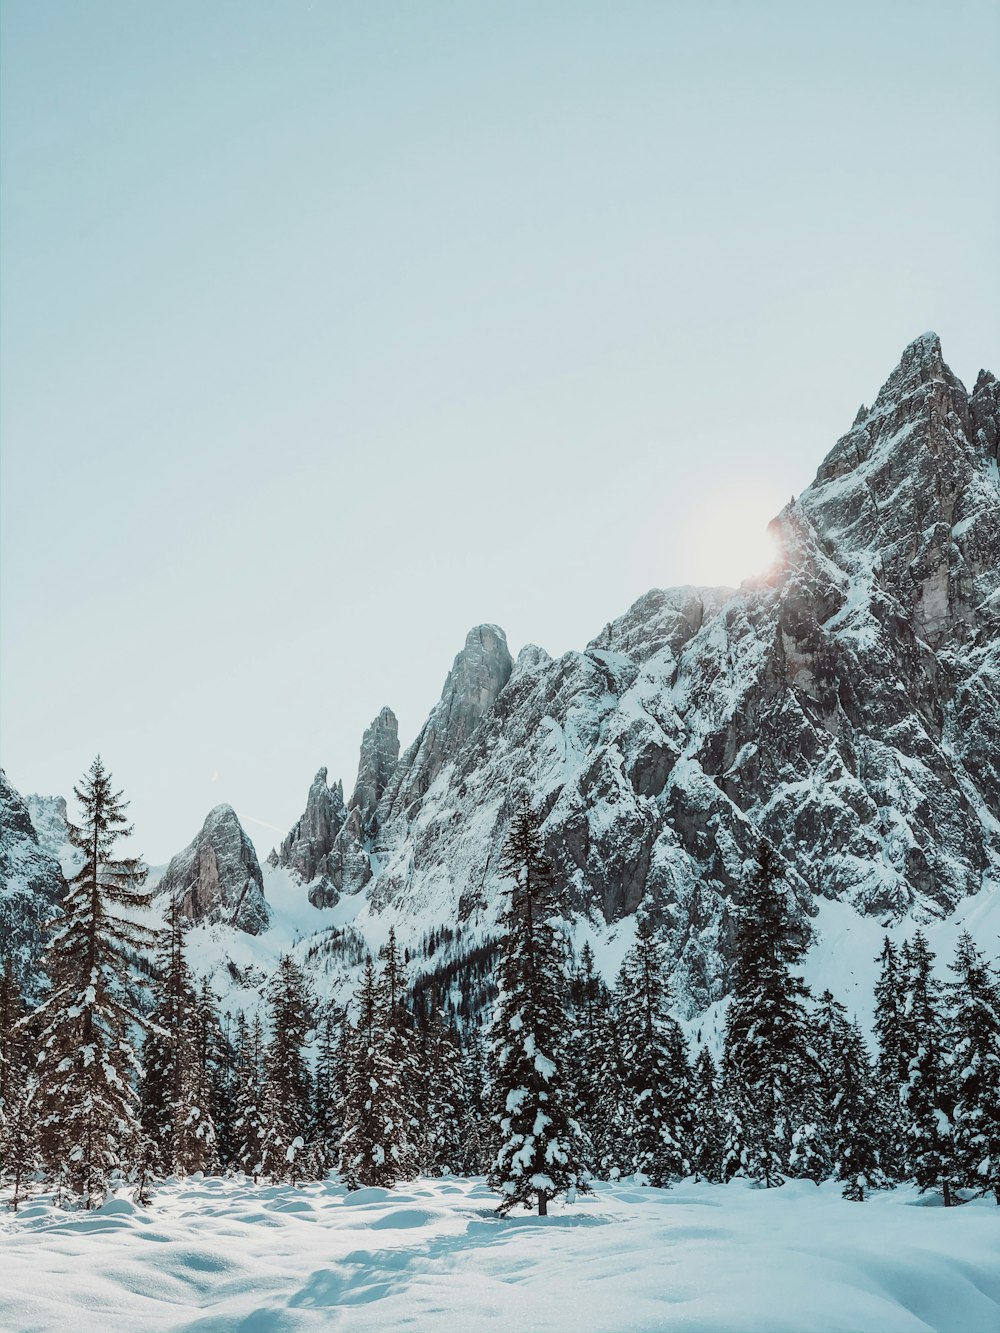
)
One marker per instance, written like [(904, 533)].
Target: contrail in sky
[(263, 823)]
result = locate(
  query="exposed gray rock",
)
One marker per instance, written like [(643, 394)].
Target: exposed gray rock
[(31, 884), (308, 844), (328, 847), (217, 877), (845, 707), (478, 674), (379, 757), (50, 817)]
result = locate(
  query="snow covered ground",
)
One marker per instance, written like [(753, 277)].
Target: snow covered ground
[(220, 1256)]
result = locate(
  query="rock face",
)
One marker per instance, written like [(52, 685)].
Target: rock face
[(845, 707), (217, 877), (329, 847), (308, 844), (478, 674), (50, 819), (379, 757), (31, 885)]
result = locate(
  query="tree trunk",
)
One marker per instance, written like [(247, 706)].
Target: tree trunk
[(946, 1190), (543, 1204)]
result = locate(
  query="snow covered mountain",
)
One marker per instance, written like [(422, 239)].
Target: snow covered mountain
[(846, 707), (31, 882)]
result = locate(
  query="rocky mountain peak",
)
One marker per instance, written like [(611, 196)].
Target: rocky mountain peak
[(477, 677), (217, 877), (376, 765), (309, 842), (908, 499)]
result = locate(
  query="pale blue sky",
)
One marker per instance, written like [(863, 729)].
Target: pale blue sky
[(330, 330)]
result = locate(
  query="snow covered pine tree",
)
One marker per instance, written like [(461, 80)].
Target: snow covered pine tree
[(538, 1142), (657, 1074), (975, 1031), (766, 1063), (87, 1064), (176, 1116)]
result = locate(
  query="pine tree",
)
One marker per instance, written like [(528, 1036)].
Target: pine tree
[(890, 1067), (538, 1141), (441, 1080), (18, 1119), (376, 1147), (176, 1096), (249, 1126), (926, 1099), (975, 1069), (328, 1089), (610, 1120), (708, 1128), (851, 1131), (87, 1064), (766, 1062), (657, 1074), (401, 1057), (589, 998), (287, 1096), (475, 1138)]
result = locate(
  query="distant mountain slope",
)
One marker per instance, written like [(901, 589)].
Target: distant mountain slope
[(31, 884), (846, 707)]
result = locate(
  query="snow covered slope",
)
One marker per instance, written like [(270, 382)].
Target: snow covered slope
[(219, 1256)]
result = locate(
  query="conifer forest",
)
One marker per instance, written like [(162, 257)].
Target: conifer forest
[(121, 1073)]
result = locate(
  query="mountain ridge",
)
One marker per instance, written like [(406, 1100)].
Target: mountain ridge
[(843, 706)]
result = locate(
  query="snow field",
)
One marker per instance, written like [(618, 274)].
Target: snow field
[(223, 1256)]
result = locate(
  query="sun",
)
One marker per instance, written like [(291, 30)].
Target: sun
[(726, 539)]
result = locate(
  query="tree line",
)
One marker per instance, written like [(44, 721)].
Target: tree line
[(124, 1073)]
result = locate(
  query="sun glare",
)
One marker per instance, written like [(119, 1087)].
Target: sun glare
[(726, 540)]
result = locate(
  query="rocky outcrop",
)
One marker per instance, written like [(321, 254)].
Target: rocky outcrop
[(478, 674), (308, 844), (845, 707), (328, 848), (50, 818), (379, 758), (217, 877), (31, 885)]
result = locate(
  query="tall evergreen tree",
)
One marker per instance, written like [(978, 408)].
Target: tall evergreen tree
[(87, 1064), (975, 1069), (287, 1095), (400, 1053), (610, 1118), (442, 1096), (538, 1141), (852, 1123), (376, 1144), (176, 1113), (18, 1119), (890, 1067), (249, 1125), (657, 1075), (589, 999), (708, 1132), (927, 1098), (766, 1061), (328, 1089), (476, 1135)]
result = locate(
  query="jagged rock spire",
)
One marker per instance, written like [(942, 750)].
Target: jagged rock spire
[(217, 877), (309, 842), (379, 757), (478, 674)]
